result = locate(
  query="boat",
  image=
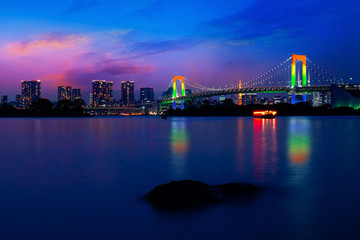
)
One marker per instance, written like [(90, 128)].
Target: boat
[(264, 114)]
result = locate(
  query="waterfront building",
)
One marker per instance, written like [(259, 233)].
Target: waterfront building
[(249, 99), (30, 91), (146, 96), (317, 99), (278, 99), (64, 93), (76, 94), (18, 101), (222, 97), (127, 93), (102, 93), (91, 99), (4, 99)]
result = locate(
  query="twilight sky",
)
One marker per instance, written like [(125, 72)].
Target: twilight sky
[(148, 41)]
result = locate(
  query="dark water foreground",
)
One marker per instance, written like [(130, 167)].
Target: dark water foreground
[(84, 178)]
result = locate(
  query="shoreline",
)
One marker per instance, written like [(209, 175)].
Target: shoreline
[(24, 115)]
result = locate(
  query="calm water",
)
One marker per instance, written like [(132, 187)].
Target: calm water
[(84, 178)]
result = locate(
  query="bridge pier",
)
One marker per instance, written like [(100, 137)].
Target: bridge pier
[(304, 97), (293, 98)]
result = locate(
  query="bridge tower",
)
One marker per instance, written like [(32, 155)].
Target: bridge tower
[(182, 79), (240, 95), (296, 58)]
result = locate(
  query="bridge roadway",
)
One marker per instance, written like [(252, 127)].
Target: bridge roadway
[(306, 89)]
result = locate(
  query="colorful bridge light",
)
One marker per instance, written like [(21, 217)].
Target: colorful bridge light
[(182, 79), (295, 58)]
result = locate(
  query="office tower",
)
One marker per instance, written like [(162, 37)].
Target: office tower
[(127, 93), (18, 101), (146, 95), (102, 93), (30, 91), (4, 99), (76, 94), (64, 93)]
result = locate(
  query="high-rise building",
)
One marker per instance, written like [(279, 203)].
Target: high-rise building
[(76, 94), (4, 99), (102, 93), (146, 95), (127, 93), (188, 92), (64, 93), (18, 101), (30, 91)]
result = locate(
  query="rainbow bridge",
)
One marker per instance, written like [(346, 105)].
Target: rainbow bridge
[(297, 75)]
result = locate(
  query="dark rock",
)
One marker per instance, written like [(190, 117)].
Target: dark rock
[(183, 194), (188, 193)]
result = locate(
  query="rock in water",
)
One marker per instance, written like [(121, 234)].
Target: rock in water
[(185, 193), (188, 193)]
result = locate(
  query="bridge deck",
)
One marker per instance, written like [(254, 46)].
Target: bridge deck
[(307, 89)]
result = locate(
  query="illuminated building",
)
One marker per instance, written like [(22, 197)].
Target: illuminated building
[(91, 99), (278, 99), (320, 98), (64, 93), (249, 99), (102, 93), (317, 99), (127, 93), (30, 91), (76, 94), (188, 92), (146, 95)]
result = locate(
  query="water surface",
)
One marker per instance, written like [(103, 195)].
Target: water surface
[(84, 178)]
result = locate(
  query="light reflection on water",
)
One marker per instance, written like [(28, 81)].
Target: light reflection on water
[(265, 147), (299, 141), (179, 149), (83, 178)]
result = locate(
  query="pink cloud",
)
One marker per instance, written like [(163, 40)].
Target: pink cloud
[(47, 42), (82, 76)]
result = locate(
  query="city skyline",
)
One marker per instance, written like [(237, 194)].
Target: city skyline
[(209, 41), (69, 93)]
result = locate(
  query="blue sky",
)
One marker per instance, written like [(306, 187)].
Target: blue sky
[(211, 42)]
